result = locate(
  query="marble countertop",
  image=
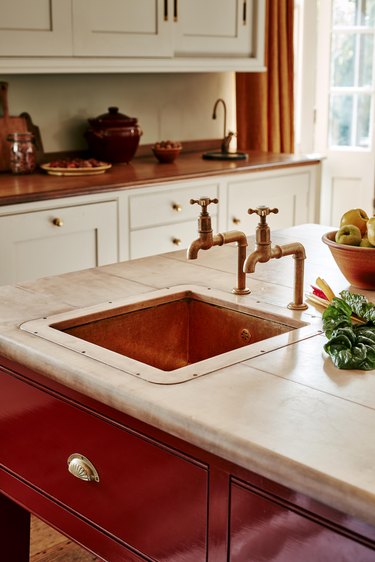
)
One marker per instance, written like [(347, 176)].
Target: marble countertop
[(289, 414)]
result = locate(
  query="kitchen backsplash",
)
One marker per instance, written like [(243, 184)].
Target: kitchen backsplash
[(168, 106)]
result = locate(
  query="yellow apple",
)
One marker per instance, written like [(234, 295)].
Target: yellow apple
[(349, 235), (365, 243), (358, 217), (371, 230)]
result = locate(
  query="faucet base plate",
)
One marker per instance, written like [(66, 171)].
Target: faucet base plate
[(224, 155)]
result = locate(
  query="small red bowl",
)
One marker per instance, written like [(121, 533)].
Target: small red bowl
[(166, 154), (357, 264)]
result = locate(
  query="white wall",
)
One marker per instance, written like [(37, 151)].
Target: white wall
[(168, 106)]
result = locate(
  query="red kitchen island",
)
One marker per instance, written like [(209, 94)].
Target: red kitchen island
[(269, 458)]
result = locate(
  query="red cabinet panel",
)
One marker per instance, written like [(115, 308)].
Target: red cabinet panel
[(149, 496), (263, 529)]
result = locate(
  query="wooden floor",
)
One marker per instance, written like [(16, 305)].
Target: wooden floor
[(47, 545)]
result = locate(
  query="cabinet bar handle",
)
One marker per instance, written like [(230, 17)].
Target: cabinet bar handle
[(82, 468), (58, 222), (165, 10), (175, 10), (176, 207), (244, 12)]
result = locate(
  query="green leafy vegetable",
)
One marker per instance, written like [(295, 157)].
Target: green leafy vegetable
[(350, 346)]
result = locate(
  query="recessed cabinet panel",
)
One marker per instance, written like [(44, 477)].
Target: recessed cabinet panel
[(263, 530), (150, 497), (215, 28), (122, 28), (287, 192), (37, 28), (57, 240)]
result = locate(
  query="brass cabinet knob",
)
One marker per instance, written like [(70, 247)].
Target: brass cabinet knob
[(236, 220), (58, 221), (176, 207), (177, 241), (82, 468)]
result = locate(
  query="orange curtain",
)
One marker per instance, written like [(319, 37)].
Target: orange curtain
[(265, 113)]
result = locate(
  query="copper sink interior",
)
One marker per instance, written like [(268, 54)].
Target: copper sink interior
[(175, 334)]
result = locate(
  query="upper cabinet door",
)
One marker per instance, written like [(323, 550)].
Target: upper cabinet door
[(37, 28), (122, 28), (217, 28)]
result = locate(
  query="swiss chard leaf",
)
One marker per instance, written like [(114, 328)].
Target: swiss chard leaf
[(350, 346)]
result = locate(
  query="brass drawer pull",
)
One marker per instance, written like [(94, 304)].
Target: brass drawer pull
[(177, 241), (82, 468), (236, 220), (58, 222), (176, 207)]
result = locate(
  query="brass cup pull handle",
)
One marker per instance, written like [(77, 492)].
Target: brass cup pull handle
[(176, 207), (177, 241), (58, 221), (82, 468), (236, 220)]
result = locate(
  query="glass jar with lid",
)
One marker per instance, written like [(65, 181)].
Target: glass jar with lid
[(22, 152)]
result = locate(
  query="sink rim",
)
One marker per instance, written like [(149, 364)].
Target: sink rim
[(44, 328)]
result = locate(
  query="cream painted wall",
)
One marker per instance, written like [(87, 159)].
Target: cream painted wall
[(168, 106)]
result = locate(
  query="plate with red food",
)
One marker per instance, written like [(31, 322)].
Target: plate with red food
[(76, 167)]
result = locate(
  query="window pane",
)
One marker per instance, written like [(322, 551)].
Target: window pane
[(365, 60), (341, 120), (343, 50), (363, 122), (368, 13), (344, 12)]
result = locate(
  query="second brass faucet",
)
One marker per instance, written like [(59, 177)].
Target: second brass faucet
[(207, 239)]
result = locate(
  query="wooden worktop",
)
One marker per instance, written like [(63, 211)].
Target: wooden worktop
[(142, 171)]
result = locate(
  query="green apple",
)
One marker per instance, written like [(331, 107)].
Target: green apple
[(365, 243), (349, 235), (357, 217), (371, 230)]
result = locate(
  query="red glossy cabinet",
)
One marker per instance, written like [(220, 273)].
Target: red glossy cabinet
[(157, 498)]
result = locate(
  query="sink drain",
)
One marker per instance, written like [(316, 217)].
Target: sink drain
[(245, 335)]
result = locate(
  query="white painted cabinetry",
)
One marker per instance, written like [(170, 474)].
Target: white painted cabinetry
[(73, 233), (163, 220), (49, 239), (128, 35), (37, 28)]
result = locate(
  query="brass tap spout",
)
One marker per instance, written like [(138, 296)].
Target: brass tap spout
[(207, 240), (226, 137), (264, 252)]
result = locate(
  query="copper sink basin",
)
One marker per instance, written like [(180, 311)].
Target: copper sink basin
[(170, 335)]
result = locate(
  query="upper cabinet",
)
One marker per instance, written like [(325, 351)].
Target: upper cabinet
[(38, 28), (124, 35)]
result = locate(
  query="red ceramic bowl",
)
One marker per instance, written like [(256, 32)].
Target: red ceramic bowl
[(357, 264), (166, 155)]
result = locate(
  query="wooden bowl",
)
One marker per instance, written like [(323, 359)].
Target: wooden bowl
[(357, 264), (166, 155)]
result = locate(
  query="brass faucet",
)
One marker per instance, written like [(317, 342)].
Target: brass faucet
[(207, 239), (226, 137), (265, 252)]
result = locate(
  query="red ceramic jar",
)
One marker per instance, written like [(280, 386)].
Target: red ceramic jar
[(113, 136)]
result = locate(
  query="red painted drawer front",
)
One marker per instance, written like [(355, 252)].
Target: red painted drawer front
[(263, 530), (152, 498)]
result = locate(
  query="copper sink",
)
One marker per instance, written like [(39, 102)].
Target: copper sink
[(170, 335)]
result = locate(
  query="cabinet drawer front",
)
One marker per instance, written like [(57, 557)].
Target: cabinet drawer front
[(286, 192), (148, 495), (55, 241), (163, 207), (162, 239)]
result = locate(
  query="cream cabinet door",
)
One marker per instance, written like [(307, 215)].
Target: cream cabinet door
[(292, 192), (122, 28), (219, 28), (35, 28), (57, 240)]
